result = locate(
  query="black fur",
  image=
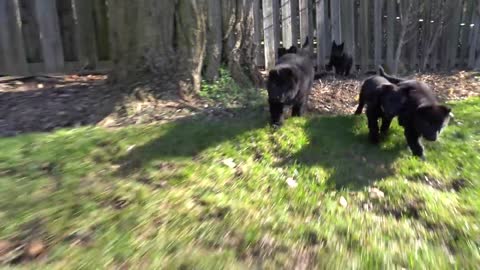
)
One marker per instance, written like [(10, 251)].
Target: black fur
[(290, 83), (390, 78), (339, 59), (422, 115), (383, 100), (282, 51)]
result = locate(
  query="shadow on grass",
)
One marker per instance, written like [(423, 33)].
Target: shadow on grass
[(188, 137), (341, 146)]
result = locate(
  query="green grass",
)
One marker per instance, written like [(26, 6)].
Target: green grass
[(161, 196)]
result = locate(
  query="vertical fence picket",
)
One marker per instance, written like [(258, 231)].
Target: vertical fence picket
[(12, 50), (270, 22), (48, 24)]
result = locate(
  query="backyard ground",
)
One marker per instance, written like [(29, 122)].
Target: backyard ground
[(207, 184)]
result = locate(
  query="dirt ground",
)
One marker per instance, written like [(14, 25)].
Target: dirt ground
[(44, 103)]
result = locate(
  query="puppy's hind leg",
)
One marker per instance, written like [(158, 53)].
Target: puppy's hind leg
[(361, 104), (373, 135), (386, 122), (298, 109)]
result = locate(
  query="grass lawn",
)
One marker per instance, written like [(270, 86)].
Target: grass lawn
[(236, 194)]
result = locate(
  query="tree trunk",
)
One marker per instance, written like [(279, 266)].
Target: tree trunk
[(175, 40)]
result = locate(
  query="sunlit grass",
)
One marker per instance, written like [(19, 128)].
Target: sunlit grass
[(165, 197)]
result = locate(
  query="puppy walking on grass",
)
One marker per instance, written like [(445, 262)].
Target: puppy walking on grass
[(384, 101), (290, 83)]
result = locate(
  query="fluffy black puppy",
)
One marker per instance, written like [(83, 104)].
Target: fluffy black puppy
[(383, 100), (290, 83), (422, 115), (339, 59)]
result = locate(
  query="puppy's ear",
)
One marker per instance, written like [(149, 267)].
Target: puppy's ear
[(334, 44), (341, 46), (281, 52)]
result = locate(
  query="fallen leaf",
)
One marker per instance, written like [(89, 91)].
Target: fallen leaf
[(375, 193), (34, 248), (343, 202), (291, 182), (367, 206), (229, 163), (40, 85), (130, 148), (5, 246)]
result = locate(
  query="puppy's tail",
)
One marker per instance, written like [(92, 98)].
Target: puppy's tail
[(390, 78)]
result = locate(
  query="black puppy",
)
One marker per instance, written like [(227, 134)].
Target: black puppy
[(290, 83), (339, 59), (383, 100), (422, 115)]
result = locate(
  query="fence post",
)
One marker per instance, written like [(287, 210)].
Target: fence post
[(289, 23), (257, 36), (378, 33), (452, 35), (322, 42), (306, 22), (364, 26), (270, 26), (474, 38), (348, 25), (46, 13), (85, 33), (413, 43), (12, 49), (391, 15)]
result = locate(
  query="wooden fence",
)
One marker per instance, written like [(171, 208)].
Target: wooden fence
[(439, 34), (44, 36), (39, 36)]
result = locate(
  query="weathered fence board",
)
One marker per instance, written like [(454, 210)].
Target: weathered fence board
[(336, 21), (257, 21), (270, 22), (12, 49), (378, 33), (391, 15), (289, 37), (412, 45), (348, 25), (474, 37), (85, 37), (306, 21), (322, 43), (364, 26), (65, 35), (48, 24)]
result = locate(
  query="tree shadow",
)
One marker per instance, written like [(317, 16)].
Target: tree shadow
[(339, 145), (190, 136)]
